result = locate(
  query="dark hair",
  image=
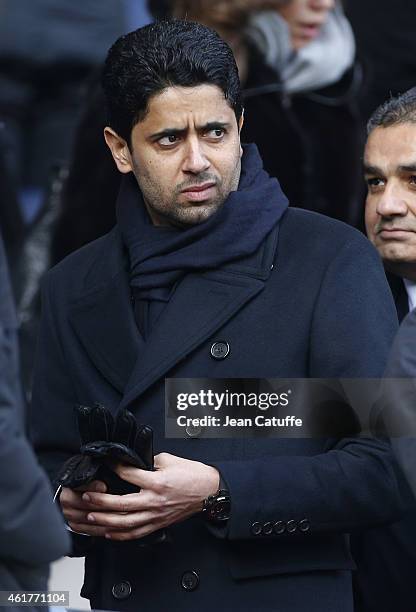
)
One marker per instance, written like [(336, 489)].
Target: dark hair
[(145, 62), (401, 109)]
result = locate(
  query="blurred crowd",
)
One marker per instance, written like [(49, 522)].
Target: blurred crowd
[(312, 71)]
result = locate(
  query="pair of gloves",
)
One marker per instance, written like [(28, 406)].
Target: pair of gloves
[(106, 440)]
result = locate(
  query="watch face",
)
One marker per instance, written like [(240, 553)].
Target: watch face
[(221, 509)]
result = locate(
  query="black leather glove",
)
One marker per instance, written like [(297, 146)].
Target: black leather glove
[(104, 441)]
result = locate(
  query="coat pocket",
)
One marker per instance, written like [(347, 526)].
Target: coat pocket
[(248, 559)]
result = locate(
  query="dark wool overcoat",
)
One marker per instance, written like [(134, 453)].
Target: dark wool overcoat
[(312, 302)]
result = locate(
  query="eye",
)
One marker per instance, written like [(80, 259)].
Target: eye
[(168, 141), (216, 133), (412, 179), (374, 182)]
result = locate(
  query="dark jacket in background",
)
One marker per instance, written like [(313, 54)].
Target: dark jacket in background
[(385, 580), (48, 49), (386, 42), (312, 142), (32, 532)]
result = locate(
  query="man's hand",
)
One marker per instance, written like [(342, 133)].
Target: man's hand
[(172, 493), (75, 509)]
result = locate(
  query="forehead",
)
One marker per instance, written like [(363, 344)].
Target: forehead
[(390, 147), (178, 107)]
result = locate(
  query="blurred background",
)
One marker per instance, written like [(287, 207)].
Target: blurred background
[(312, 73)]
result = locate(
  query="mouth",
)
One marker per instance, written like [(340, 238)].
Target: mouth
[(199, 193), (393, 233), (310, 30)]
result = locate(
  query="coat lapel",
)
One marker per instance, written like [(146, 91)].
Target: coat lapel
[(200, 305), (102, 317)]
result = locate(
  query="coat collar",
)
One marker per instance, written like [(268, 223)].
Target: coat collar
[(103, 319), (401, 299)]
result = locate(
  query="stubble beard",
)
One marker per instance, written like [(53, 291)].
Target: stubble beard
[(177, 214)]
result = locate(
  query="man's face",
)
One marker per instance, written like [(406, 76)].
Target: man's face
[(185, 154), (305, 19), (390, 214)]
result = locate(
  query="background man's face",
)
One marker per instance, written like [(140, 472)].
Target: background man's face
[(390, 214), (186, 154)]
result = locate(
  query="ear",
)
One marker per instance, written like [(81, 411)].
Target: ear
[(241, 121), (240, 127), (119, 150)]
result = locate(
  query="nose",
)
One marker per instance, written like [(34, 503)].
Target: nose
[(195, 160), (392, 202)]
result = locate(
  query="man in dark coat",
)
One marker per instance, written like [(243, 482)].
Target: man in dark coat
[(208, 273), (32, 533), (390, 171)]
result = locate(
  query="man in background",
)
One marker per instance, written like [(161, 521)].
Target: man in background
[(390, 216)]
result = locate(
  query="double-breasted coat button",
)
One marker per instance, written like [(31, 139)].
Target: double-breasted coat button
[(291, 526), (304, 525), (220, 349), (256, 528), (267, 528), (189, 581), (193, 431), (279, 527), (121, 590)]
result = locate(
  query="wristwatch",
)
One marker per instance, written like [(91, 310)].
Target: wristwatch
[(217, 507)]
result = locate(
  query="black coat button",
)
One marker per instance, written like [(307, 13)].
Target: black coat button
[(267, 528), (256, 528), (279, 527), (220, 350), (304, 525), (291, 526), (121, 590), (189, 581), (193, 431)]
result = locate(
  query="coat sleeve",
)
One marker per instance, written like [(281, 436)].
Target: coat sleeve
[(53, 393), (353, 485)]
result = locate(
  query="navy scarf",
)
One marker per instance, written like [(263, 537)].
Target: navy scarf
[(160, 256)]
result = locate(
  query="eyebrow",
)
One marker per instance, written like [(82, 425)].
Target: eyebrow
[(401, 169), (407, 168), (211, 125), (373, 170)]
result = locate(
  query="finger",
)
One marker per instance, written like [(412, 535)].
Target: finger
[(75, 516), (133, 534), (142, 478), (96, 485), (117, 503), (90, 530), (123, 522), (73, 499)]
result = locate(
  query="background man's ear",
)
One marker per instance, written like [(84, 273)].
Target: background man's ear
[(241, 121), (119, 150)]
